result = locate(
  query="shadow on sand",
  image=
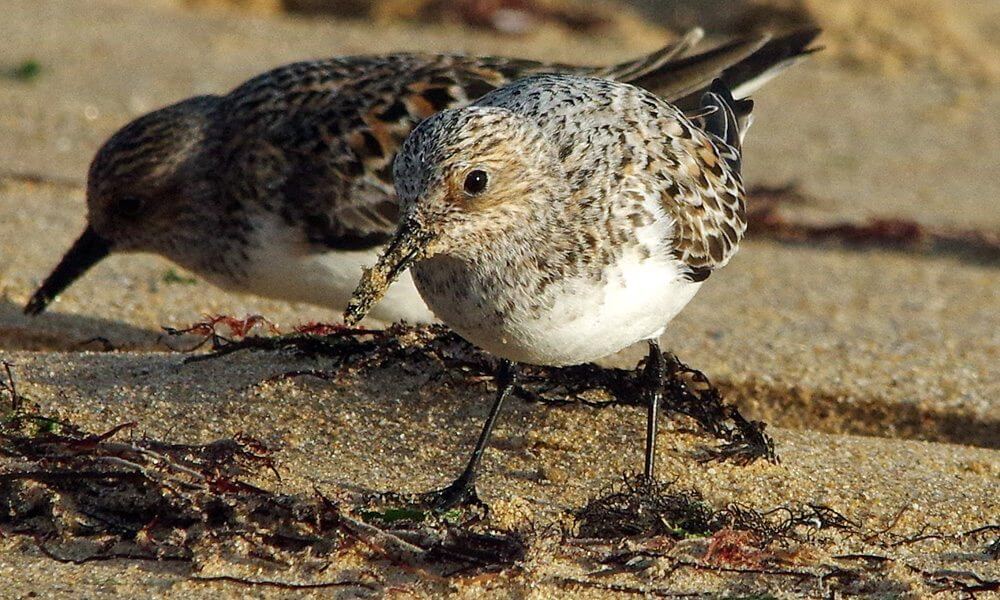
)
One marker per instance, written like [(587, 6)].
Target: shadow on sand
[(60, 332)]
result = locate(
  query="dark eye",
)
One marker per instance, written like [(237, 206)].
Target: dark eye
[(475, 182), (129, 206)]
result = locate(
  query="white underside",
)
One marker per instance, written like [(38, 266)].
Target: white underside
[(288, 270), (587, 321)]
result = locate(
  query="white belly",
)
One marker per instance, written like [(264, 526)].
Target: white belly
[(284, 269), (585, 320)]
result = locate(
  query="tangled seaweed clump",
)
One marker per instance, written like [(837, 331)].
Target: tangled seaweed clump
[(440, 355), (638, 507), (84, 497)]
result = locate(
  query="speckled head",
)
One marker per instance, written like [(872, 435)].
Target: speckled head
[(464, 178), (472, 172), (143, 189)]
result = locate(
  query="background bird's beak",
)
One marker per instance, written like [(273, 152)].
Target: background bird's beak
[(86, 252), (407, 246)]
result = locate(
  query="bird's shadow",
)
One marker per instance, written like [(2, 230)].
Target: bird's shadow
[(60, 332)]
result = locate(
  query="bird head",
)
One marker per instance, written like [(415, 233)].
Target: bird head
[(464, 178), (141, 187)]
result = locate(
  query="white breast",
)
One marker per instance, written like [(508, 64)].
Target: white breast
[(586, 320)]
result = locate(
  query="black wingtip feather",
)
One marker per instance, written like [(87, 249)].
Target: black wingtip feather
[(722, 117), (726, 118)]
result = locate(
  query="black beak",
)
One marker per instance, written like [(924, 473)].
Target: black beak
[(86, 252), (407, 247)]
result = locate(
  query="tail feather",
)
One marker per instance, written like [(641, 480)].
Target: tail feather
[(651, 63), (678, 74), (747, 76), (692, 73), (726, 118)]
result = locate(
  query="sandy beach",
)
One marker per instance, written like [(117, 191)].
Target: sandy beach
[(875, 367)]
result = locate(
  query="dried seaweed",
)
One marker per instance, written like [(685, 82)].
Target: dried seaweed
[(645, 591), (208, 329), (437, 353), (479, 548), (993, 550), (637, 507), (952, 580), (766, 219), (890, 540), (87, 497), (285, 585), (84, 497), (823, 580), (637, 524), (23, 415), (149, 496), (9, 386), (644, 508)]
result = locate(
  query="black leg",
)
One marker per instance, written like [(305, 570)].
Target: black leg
[(463, 489), (653, 376)]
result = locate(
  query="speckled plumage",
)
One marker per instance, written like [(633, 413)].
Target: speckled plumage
[(560, 219), (605, 209), (284, 186)]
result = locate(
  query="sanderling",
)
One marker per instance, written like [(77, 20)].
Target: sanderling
[(561, 219), (283, 187)]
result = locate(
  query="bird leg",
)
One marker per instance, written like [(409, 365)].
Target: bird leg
[(653, 373), (462, 491)]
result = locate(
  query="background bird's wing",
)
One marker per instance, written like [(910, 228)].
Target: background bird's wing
[(743, 65), (314, 142)]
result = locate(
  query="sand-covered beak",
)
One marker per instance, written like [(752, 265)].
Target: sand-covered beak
[(86, 252), (407, 247)]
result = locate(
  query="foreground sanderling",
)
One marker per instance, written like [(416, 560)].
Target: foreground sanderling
[(283, 187), (561, 219)]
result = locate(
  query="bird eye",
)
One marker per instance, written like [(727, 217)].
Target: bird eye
[(475, 182), (129, 206)]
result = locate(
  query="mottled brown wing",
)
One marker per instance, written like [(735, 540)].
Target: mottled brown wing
[(315, 141), (622, 142), (706, 200), (704, 192)]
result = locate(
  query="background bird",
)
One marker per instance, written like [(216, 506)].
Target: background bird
[(283, 187), (560, 219)]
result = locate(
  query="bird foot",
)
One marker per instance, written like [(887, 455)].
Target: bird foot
[(458, 494)]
